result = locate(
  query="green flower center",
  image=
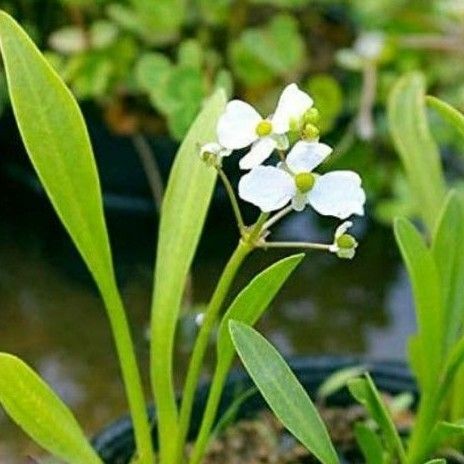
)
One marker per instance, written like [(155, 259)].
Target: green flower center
[(346, 241), (264, 128), (305, 181)]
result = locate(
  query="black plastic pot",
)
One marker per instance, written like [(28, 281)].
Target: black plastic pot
[(115, 444)]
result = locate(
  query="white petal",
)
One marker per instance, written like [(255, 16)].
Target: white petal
[(260, 151), (215, 148), (236, 128), (305, 156), (267, 187), (292, 105), (339, 194), (342, 229)]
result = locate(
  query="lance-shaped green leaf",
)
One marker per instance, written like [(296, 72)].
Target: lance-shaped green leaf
[(448, 253), (365, 392), (336, 381), (282, 391), (58, 144), (369, 443), (416, 147), (447, 112), (247, 307), (56, 139), (252, 302), (186, 201), (33, 405), (425, 284), (442, 434)]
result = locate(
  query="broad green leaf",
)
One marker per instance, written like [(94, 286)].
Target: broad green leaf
[(365, 392), (425, 283), (448, 253), (416, 147), (369, 443), (336, 381), (447, 112), (187, 198), (282, 391), (33, 405), (252, 301), (58, 144)]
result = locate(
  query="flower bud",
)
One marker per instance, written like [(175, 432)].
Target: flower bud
[(312, 116), (310, 132), (346, 241)]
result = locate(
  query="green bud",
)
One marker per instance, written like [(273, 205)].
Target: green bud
[(305, 181), (211, 159), (310, 132), (346, 241), (312, 116), (264, 128)]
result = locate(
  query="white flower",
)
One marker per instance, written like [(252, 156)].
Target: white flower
[(344, 245), (338, 193), (213, 149), (370, 45), (241, 125)]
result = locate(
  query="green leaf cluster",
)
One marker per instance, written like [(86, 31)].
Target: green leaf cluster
[(177, 90), (275, 50)]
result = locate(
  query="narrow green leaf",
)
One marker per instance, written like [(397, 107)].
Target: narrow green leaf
[(282, 391), (443, 433), (252, 301), (365, 392), (425, 284), (447, 112), (188, 195), (335, 382), (369, 443), (56, 139), (33, 405), (58, 144), (448, 253), (416, 147), (436, 461)]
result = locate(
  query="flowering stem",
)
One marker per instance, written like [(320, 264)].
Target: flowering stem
[(278, 216), (309, 245), (201, 343), (232, 198)]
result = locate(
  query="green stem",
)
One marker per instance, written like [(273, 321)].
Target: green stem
[(308, 245), (201, 343), (214, 397), (233, 200), (130, 375)]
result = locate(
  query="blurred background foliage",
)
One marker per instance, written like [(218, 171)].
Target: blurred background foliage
[(149, 64)]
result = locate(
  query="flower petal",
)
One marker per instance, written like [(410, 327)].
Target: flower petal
[(236, 127), (215, 148), (305, 156), (293, 104), (339, 194), (342, 229), (260, 151), (267, 187)]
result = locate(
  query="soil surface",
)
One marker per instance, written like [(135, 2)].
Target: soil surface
[(263, 440)]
